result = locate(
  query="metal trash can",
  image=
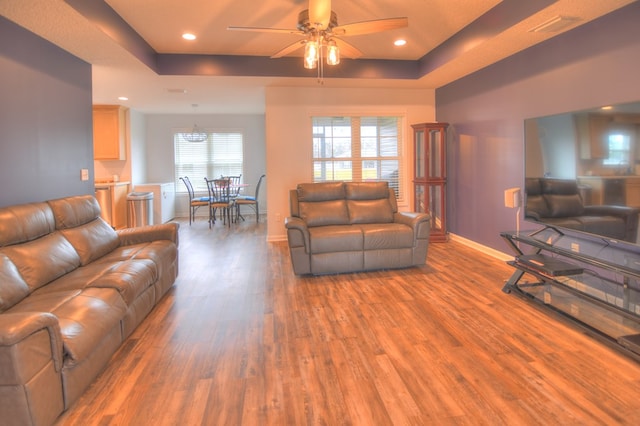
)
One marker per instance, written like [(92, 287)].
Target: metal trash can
[(140, 209)]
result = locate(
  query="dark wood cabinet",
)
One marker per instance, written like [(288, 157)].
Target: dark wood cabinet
[(430, 175)]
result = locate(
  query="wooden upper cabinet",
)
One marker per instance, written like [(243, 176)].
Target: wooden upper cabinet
[(593, 135), (109, 132)]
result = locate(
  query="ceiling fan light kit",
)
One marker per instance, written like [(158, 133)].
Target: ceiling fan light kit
[(319, 26)]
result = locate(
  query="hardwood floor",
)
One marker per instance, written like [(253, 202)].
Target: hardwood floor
[(241, 340)]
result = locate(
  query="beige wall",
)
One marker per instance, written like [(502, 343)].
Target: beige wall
[(288, 134)]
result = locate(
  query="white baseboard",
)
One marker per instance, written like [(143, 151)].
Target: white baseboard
[(484, 249)]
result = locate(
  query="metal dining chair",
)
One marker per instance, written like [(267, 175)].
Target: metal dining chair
[(252, 201), (220, 200), (194, 202)]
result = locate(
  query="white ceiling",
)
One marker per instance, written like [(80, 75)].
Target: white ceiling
[(116, 72)]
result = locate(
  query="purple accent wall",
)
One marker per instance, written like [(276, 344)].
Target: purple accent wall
[(595, 64), (46, 126)]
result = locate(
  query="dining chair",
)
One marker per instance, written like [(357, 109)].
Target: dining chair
[(219, 200), (252, 201), (235, 184), (194, 202)]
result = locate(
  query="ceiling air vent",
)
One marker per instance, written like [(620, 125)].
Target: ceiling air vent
[(555, 24)]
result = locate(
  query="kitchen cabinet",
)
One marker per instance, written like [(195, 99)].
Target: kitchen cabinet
[(109, 132), (112, 198), (632, 191), (593, 135)]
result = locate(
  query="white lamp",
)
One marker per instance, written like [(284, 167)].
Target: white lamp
[(513, 199)]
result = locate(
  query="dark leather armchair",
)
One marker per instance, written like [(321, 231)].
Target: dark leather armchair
[(558, 202)]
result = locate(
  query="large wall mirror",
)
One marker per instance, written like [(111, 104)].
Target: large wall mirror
[(582, 170)]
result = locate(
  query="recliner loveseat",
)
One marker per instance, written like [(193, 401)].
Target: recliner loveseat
[(557, 202), (71, 291), (338, 227)]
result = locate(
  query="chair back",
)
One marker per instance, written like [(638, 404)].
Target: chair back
[(235, 184), (219, 189), (258, 186), (189, 186)]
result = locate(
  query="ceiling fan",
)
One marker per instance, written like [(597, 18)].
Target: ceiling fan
[(322, 35)]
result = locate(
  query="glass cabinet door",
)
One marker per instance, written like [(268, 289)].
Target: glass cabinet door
[(436, 154), (430, 175), (420, 163)]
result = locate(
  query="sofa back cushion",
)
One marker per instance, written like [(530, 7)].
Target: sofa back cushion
[(562, 197), (536, 203), (29, 240), (43, 260), (321, 191), (321, 204), (78, 219), (12, 287), (322, 213), (368, 202), (25, 222)]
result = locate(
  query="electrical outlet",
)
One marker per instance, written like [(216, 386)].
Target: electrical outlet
[(84, 174), (575, 247)]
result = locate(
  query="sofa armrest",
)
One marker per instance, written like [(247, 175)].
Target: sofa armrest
[(419, 222), (16, 328), (297, 232), (149, 233)]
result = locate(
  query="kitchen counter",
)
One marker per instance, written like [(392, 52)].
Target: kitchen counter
[(612, 189), (109, 184), (112, 197)]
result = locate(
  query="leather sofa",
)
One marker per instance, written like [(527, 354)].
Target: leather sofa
[(558, 202), (71, 290), (338, 227)]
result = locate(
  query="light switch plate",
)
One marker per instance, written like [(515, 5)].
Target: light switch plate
[(84, 174)]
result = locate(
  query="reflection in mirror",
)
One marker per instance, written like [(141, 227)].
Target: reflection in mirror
[(582, 171)]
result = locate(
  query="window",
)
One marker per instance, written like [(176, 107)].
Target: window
[(220, 154), (619, 150), (358, 149)]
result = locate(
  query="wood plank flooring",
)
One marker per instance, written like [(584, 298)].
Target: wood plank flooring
[(241, 340)]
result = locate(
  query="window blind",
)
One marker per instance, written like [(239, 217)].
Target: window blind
[(220, 155)]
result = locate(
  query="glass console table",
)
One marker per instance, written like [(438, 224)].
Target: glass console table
[(591, 280)]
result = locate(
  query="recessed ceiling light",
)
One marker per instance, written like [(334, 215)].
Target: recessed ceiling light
[(188, 36), (400, 42), (608, 107), (123, 98)]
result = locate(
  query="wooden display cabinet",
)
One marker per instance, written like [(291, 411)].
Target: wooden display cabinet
[(430, 177)]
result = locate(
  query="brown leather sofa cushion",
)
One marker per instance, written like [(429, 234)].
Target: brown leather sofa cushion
[(323, 213), (370, 211), (25, 222), (12, 287), (322, 191), (366, 190), (79, 220), (43, 260), (562, 197)]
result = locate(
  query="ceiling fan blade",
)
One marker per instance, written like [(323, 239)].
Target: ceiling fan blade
[(320, 12), (368, 27), (290, 48), (346, 49), (266, 30)]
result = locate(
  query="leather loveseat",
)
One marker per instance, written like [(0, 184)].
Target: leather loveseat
[(71, 290), (558, 202), (338, 227)]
